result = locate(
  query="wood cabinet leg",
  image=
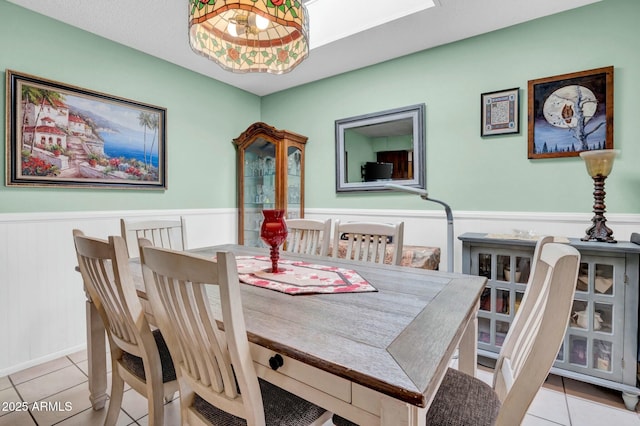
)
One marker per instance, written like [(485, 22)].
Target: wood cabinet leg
[(630, 400)]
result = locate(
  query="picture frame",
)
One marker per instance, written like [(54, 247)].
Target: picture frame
[(500, 112), (570, 113), (65, 136)]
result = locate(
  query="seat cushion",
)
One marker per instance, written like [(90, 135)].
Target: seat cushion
[(134, 363), (281, 408), (461, 400)]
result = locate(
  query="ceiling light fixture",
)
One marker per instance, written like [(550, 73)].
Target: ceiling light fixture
[(250, 35)]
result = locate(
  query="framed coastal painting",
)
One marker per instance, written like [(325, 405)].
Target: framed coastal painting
[(62, 135), (570, 113), (500, 112)]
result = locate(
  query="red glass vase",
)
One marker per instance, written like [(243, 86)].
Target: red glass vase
[(273, 232)]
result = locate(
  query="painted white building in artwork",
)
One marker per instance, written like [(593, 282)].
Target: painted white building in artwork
[(45, 135), (50, 118), (77, 125), (46, 125), (59, 113)]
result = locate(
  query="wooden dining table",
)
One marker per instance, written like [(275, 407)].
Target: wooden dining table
[(372, 357)]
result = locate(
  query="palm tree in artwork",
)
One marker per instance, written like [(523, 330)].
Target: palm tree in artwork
[(35, 96), (154, 122), (145, 121)]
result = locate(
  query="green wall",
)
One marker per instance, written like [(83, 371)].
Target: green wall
[(469, 172), (203, 115)]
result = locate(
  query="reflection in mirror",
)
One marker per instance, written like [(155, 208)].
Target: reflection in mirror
[(374, 149)]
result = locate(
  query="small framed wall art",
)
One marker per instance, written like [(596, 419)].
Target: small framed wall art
[(62, 135), (570, 113), (500, 112)]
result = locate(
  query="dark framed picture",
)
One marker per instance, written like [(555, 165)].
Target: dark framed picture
[(500, 112), (62, 135), (571, 113)]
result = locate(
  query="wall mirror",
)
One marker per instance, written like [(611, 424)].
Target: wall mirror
[(379, 148)]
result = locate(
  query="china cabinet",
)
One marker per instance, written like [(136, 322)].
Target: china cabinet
[(601, 342), (270, 176)]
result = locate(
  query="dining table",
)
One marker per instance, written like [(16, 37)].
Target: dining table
[(374, 357)]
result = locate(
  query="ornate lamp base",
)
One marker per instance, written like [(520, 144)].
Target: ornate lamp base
[(599, 231)]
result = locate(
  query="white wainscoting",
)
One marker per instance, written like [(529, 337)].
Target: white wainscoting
[(42, 314)]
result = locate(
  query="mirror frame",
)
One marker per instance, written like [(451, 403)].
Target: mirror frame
[(416, 113)]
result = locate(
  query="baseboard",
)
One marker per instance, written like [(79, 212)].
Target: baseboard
[(41, 360)]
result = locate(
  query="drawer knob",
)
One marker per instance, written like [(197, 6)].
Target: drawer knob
[(276, 361)]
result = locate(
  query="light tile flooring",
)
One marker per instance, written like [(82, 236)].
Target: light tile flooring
[(62, 385)]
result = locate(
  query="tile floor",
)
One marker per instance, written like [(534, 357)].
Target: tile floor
[(62, 383)]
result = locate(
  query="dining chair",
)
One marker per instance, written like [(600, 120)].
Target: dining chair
[(308, 236), (139, 356), (218, 381), (162, 233), (527, 355), (367, 241)]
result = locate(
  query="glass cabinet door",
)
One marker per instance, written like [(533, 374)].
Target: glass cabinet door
[(294, 182), (258, 189), (594, 336), (508, 273)]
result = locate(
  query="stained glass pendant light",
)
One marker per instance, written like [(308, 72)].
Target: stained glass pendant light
[(250, 35)]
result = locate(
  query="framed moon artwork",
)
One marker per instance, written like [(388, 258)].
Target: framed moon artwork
[(570, 113)]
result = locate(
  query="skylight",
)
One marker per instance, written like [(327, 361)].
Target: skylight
[(332, 20)]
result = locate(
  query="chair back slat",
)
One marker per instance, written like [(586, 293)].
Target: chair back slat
[(104, 267), (308, 236), (212, 364), (537, 332), (170, 234), (367, 241)]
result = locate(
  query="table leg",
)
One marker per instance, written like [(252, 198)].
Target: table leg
[(468, 348), (394, 413), (97, 357)]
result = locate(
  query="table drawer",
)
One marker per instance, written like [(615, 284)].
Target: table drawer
[(328, 383)]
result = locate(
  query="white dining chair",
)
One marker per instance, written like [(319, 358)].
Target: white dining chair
[(367, 241), (139, 356), (218, 381), (308, 236), (528, 352), (162, 233)]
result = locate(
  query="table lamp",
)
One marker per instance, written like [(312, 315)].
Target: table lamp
[(599, 164), (425, 196)]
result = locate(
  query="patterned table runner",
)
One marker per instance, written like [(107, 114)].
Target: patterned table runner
[(300, 277)]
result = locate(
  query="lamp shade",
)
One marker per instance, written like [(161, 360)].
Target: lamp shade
[(599, 162), (250, 35)]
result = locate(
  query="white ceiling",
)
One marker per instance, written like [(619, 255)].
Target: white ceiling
[(159, 28)]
